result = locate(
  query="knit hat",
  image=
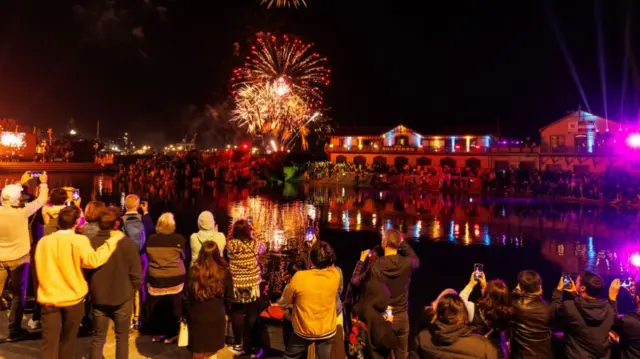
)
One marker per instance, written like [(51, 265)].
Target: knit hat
[(11, 194), (206, 221)]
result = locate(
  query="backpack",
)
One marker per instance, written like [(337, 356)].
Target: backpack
[(134, 228), (52, 226)]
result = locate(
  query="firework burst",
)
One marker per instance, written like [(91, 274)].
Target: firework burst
[(273, 110), (278, 93), (283, 3), (273, 57)]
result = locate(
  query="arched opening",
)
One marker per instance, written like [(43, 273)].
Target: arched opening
[(424, 161), (400, 162), (360, 160), (448, 162), (341, 159), (472, 163), (380, 160)]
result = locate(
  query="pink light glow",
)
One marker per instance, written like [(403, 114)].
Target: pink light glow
[(635, 260), (634, 140)]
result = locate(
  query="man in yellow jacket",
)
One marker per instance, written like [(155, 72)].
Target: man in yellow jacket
[(60, 258), (312, 293)]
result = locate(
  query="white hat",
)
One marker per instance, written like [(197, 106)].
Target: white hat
[(11, 193)]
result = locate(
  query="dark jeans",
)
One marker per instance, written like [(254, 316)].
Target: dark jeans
[(34, 282), (121, 316), (60, 330), (141, 295), (165, 312), (18, 269), (243, 318), (298, 347), (401, 328)]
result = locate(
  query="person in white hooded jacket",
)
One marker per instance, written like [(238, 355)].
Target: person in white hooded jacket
[(208, 231)]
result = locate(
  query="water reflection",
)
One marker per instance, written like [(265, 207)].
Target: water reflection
[(573, 236), (279, 226)]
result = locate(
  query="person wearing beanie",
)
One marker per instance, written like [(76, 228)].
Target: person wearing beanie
[(208, 231)]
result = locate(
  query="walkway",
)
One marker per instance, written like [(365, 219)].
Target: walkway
[(139, 346)]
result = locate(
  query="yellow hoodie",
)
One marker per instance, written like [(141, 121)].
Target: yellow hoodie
[(60, 258), (313, 296)]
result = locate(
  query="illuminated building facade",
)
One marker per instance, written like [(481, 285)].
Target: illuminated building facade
[(579, 142), (402, 145)]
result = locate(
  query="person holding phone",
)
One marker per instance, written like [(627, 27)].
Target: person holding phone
[(585, 320), (627, 327), (491, 314), (57, 201), (394, 269), (15, 246)]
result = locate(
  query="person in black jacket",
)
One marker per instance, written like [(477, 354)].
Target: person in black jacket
[(450, 336), (530, 321), (113, 287), (585, 320), (380, 338), (394, 270), (627, 328)]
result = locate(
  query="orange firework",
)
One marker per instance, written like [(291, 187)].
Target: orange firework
[(283, 3), (274, 57)]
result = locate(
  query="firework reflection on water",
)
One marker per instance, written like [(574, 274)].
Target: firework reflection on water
[(276, 226)]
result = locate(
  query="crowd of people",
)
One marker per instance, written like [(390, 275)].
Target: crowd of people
[(98, 265), (610, 186), (163, 174)]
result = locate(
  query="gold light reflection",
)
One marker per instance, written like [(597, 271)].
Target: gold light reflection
[(374, 219), (276, 226), (467, 234), (358, 220), (436, 229)]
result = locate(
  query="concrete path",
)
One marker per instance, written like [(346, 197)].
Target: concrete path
[(139, 346)]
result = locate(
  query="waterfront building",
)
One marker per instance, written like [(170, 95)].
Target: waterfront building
[(580, 142)]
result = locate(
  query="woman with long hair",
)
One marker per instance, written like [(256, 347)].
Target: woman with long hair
[(165, 279), (450, 336), (242, 251), (491, 314), (209, 296)]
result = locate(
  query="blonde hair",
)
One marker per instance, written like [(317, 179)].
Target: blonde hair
[(166, 224), (131, 202)]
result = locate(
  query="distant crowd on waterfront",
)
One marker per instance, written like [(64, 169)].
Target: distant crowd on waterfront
[(95, 265), (164, 173)]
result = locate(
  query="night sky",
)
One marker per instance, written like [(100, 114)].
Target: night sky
[(448, 66)]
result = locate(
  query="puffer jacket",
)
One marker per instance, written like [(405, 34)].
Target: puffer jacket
[(530, 334), (453, 341)]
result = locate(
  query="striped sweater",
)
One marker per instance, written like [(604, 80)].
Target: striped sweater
[(245, 270)]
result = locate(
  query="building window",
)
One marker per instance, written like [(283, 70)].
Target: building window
[(402, 140), (341, 143), (557, 141)]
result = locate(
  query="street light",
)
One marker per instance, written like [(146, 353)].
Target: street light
[(72, 132)]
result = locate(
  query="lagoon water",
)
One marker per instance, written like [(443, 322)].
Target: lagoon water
[(449, 233)]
